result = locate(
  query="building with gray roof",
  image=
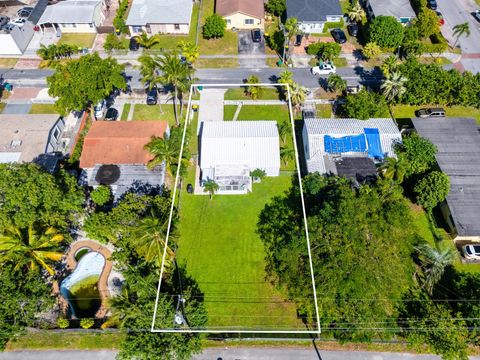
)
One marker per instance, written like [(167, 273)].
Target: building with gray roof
[(160, 16), (313, 14), (400, 9), (458, 155)]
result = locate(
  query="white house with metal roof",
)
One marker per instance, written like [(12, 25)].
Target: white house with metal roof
[(328, 140), (230, 150), (400, 9), (160, 16)]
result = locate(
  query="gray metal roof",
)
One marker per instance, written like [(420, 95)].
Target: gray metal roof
[(313, 10), (396, 8), (458, 144), (349, 126), (143, 12), (70, 12)]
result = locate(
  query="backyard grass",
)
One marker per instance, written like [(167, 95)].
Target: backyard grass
[(42, 109), (8, 62), (125, 111), (46, 340), (83, 40), (216, 63), (152, 112), (221, 251), (238, 93), (408, 111)]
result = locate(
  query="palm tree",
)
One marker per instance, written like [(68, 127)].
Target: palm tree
[(149, 239), (211, 187), (189, 51), (28, 248), (287, 154), (393, 86), (46, 52), (283, 130), (336, 83), (433, 264), (394, 170), (253, 91), (166, 149), (175, 74), (389, 65), (356, 12), (147, 41), (459, 30), (286, 77), (297, 95)]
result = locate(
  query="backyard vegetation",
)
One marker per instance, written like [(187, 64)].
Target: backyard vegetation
[(83, 40)]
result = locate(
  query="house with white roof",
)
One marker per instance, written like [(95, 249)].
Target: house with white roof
[(160, 16), (230, 150), (328, 141), (400, 9)]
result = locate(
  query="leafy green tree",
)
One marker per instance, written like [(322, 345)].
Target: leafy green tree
[(30, 249), (432, 189), (461, 30), (211, 187), (252, 90), (394, 170), (30, 195), (389, 65), (364, 105), (113, 42), (336, 83), (258, 174), (276, 7), (119, 20), (356, 13), (427, 23), (371, 50), (393, 87), (189, 50), (433, 263), (417, 152), (214, 27), (146, 41), (292, 27), (325, 50), (101, 195), (83, 82), (385, 31)]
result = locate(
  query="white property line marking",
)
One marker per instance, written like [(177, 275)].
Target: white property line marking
[(318, 331)]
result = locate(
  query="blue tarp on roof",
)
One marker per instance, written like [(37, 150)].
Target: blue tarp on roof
[(353, 143), (374, 144)]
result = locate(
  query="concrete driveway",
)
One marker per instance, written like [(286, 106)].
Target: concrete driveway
[(250, 54)]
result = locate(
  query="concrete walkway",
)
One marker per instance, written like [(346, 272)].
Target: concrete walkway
[(211, 105)]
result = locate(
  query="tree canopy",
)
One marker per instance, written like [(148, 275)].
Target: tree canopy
[(276, 7), (432, 189), (386, 31), (364, 105), (417, 153), (214, 27)]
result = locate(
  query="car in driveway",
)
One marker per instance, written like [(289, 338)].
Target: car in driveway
[(100, 109), (324, 69), (476, 15), (441, 20), (298, 39), (25, 11), (134, 45), (471, 251), (4, 21), (352, 29), (257, 35), (430, 112), (432, 4), (338, 35), (111, 115), (152, 96)]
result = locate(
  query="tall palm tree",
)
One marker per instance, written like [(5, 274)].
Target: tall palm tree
[(253, 91), (283, 130), (211, 187), (287, 154), (459, 30), (393, 86), (174, 73), (166, 149), (336, 83), (356, 12), (146, 41), (189, 51), (433, 263), (394, 170), (286, 77), (297, 95), (28, 248)]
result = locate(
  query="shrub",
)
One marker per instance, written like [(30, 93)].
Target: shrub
[(113, 42), (63, 323), (101, 195), (87, 323), (386, 31), (258, 174), (276, 41), (119, 20), (427, 23), (324, 50), (214, 27), (365, 105), (371, 50), (432, 189)]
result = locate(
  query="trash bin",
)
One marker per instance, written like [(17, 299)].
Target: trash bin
[(200, 88), (279, 63)]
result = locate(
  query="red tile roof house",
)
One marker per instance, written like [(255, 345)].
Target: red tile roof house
[(113, 154), (241, 14)]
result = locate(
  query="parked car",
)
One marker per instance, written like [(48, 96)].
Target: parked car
[(257, 35), (476, 15), (190, 188), (352, 29), (9, 27), (4, 21), (112, 114), (471, 251), (152, 96), (441, 20), (324, 69), (19, 22), (99, 109), (431, 112), (134, 45), (339, 36), (25, 11), (432, 4), (298, 39)]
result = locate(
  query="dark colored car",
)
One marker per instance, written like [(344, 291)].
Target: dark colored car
[(431, 112), (339, 36), (4, 21), (190, 188), (152, 96), (134, 45), (476, 15), (111, 115), (298, 39), (257, 35), (25, 11), (432, 4), (352, 29)]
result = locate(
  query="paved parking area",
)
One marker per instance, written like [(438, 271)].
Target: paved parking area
[(251, 54)]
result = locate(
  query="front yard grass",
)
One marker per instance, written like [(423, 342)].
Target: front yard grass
[(238, 93), (216, 63), (324, 110), (83, 40), (125, 111), (408, 111), (222, 252), (144, 112), (42, 109)]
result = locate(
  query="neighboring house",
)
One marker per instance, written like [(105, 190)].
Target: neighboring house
[(458, 148), (329, 142), (313, 14), (230, 150), (73, 16), (113, 154), (241, 14), (400, 9), (160, 16)]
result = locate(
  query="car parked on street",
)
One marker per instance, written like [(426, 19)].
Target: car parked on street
[(257, 35), (134, 45), (152, 96), (18, 22), (324, 69), (111, 115), (4, 21), (338, 35), (431, 112), (25, 12), (352, 29), (432, 4), (471, 251), (476, 15)]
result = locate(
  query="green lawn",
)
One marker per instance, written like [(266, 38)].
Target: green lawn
[(324, 110), (216, 63), (152, 112), (125, 111), (221, 251), (8, 62), (84, 40), (238, 93), (340, 62), (408, 111), (42, 109)]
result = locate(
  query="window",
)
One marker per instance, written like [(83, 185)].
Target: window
[(137, 29), (74, 25), (248, 21), (149, 29), (56, 134), (229, 21), (91, 25), (177, 26)]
